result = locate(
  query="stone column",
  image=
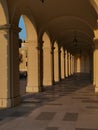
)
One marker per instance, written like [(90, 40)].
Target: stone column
[(62, 64), (52, 63), (59, 63), (95, 81), (69, 65), (47, 69), (32, 79), (56, 65), (91, 65), (40, 68), (94, 68), (72, 64), (66, 63), (9, 67)]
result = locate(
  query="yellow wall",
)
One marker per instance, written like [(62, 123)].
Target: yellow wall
[(82, 63)]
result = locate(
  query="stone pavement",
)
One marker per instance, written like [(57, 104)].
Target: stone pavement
[(69, 105)]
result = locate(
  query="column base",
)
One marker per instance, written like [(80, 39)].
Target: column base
[(94, 83), (47, 83), (96, 89), (9, 102), (56, 80), (32, 89)]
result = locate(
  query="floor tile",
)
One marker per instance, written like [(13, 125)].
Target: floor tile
[(46, 116), (85, 129), (90, 101), (70, 117), (52, 128)]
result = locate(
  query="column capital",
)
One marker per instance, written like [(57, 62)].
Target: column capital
[(40, 45), (10, 26), (5, 26), (52, 49)]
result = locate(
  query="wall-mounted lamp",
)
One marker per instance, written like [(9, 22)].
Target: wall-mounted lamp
[(42, 1), (75, 42)]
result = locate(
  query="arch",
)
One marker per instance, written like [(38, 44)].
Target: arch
[(47, 59), (56, 62), (95, 4), (4, 19), (32, 55), (30, 29)]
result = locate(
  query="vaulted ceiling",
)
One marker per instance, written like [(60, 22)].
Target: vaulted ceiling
[(62, 19)]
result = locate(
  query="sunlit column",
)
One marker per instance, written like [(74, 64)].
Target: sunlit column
[(52, 62), (95, 66), (56, 65), (78, 65), (62, 64), (47, 68), (66, 63), (69, 64), (9, 67), (59, 63), (32, 81)]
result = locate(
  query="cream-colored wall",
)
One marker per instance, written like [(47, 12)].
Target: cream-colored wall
[(82, 63)]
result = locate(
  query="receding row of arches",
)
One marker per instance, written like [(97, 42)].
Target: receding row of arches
[(56, 62), (48, 61)]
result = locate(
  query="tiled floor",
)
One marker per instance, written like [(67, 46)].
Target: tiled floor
[(69, 105)]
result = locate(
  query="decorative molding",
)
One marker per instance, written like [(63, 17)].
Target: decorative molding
[(10, 26)]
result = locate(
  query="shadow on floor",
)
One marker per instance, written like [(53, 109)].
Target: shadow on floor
[(34, 100)]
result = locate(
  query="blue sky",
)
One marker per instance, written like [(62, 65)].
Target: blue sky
[(22, 34)]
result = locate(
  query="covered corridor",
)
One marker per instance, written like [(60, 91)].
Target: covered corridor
[(69, 105), (60, 59), (62, 40)]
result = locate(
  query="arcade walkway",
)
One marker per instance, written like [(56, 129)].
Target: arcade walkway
[(70, 105)]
